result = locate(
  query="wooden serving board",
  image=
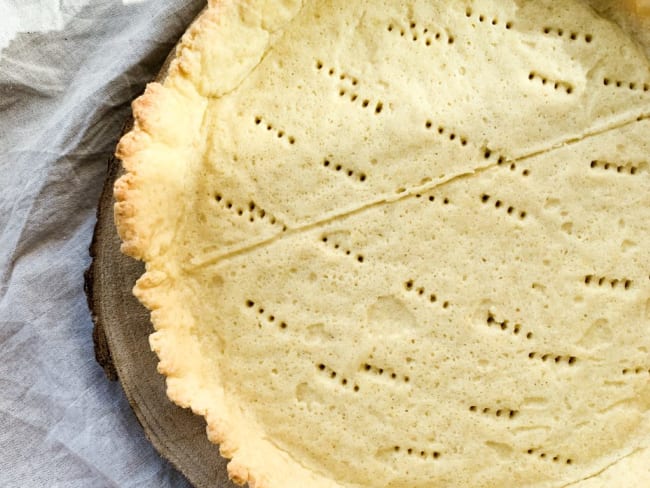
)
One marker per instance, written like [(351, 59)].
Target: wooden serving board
[(121, 337)]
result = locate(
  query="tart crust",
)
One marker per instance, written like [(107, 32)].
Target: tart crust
[(177, 138)]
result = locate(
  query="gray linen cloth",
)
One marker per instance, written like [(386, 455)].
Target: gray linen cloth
[(64, 96)]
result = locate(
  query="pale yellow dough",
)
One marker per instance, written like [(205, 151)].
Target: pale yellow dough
[(401, 244)]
